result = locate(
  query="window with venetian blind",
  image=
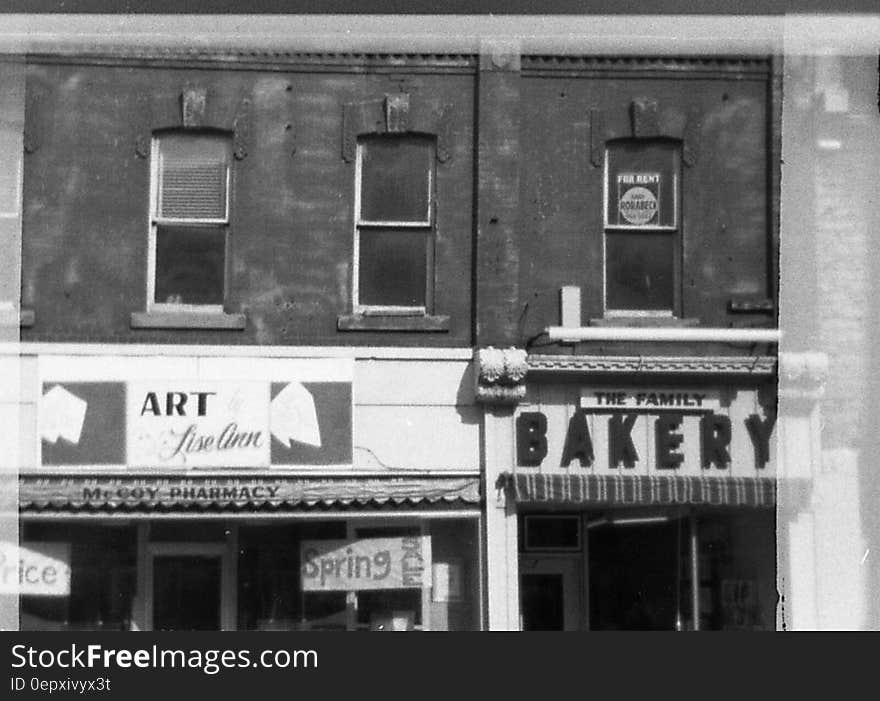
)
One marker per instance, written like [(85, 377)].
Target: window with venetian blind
[(189, 221)]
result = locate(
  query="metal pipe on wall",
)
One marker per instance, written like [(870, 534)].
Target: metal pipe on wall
[(695, 569)]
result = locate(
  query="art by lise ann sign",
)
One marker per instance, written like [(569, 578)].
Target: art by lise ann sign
[(196, 423), (648, 430), (372, 563)]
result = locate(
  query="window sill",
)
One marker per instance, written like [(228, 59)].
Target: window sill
[(645, 321), (421, 323), (188, 320)]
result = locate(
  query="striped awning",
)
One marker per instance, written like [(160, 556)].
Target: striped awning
[(638, 490), (160, 493)]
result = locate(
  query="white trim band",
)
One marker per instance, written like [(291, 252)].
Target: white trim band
[(671, 334), (238, 351)]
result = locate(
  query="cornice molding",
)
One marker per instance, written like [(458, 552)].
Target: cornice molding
[(764, 366), (701, 64), (260, 59)]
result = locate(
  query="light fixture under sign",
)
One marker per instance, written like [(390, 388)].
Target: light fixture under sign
[(626, 521)]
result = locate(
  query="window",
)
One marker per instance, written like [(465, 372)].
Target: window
[(189, 221), (642, 229), (544, 532), (394, 208)]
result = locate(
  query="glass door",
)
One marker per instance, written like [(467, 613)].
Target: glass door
[(186, 592), (188, 587), (550, 593), (638, 574)]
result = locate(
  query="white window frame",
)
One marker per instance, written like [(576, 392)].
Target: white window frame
[(425, 227), (657, 228), (156, 221)]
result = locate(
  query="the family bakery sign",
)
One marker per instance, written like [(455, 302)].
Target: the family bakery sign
[(650, 430), (185, 422), (371, 563)]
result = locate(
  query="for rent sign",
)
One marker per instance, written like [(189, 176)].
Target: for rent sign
[(373, 563)]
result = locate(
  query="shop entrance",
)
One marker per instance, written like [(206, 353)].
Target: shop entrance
[(624, 569), (186, 592), (188, 586), (550, 592), (638, 569)]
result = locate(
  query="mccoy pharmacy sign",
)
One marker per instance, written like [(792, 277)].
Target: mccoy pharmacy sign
[(372, 563), (650, 431), (293, 418)]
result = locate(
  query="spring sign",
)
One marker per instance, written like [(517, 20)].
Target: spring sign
[(371, 563)]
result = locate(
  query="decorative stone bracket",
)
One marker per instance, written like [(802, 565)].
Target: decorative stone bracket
[(194, 110), (395, 113), (500, 375), (646, 122), (802, 378)]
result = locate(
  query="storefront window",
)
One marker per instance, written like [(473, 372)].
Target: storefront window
[(272, 595), (103, 569), (635, 570)]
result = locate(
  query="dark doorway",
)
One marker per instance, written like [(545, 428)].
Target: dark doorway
[(636, 578), (186, 592), (542, 602)]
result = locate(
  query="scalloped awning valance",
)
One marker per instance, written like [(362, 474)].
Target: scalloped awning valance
[(169, 494)]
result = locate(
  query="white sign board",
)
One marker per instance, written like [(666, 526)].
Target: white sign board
[(198, 424), (35, 569), (372, 563), (685, 430)]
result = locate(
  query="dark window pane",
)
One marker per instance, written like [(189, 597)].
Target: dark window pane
[(393, 265), (640, 270), (395, 179), (552, 532), (192, 177), (190, 264), (641, 182)]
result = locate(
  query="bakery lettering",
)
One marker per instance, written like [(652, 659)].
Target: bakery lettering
[(716, 431)]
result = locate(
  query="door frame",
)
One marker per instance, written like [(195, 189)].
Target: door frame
[(227, 552), (571, 568)]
